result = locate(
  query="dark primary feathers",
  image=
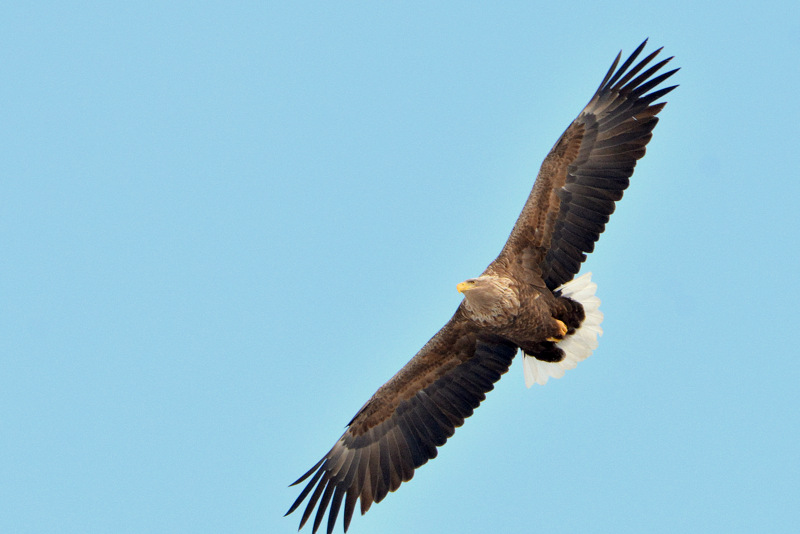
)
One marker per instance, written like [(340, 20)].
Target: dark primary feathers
[(418, 409), (587, 170), (399, 428)]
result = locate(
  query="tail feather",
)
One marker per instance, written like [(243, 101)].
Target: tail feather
[(577, 346)]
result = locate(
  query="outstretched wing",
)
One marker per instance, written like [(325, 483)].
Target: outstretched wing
[(586, 172), (399, 428)]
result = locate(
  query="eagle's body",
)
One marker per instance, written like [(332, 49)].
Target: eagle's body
[(526, 299), (522, 313)]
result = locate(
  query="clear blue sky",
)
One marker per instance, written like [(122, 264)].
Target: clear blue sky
[(224, 225)]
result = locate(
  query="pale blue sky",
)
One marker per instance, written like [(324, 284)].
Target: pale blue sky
[(225, 224)]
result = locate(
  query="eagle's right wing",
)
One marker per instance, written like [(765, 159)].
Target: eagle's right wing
[(399, 428)]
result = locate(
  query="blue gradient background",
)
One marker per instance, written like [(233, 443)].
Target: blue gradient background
[(224, 224)]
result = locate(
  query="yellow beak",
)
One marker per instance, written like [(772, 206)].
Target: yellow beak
[(463, 286)]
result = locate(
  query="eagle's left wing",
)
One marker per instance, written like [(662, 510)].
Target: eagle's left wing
[(586, 172)]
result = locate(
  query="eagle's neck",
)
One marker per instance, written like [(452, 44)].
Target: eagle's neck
[(494, 302)]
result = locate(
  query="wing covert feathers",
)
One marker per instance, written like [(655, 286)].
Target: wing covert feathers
[(400, 428), (587, 171)]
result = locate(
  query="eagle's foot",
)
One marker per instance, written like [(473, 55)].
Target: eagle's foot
[(562, 331)]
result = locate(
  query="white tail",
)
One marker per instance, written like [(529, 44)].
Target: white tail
[(577, 346)]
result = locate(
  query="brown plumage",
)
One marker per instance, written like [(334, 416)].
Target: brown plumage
[(514, 304)]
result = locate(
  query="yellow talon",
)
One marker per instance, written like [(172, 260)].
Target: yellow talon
[(563, 328)]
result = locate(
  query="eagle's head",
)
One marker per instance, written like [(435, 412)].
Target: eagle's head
[(489, 298)]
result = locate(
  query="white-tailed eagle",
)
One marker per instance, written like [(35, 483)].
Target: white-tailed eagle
[(526, 299)]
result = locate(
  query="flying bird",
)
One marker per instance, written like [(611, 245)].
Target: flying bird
[(527, 299)]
